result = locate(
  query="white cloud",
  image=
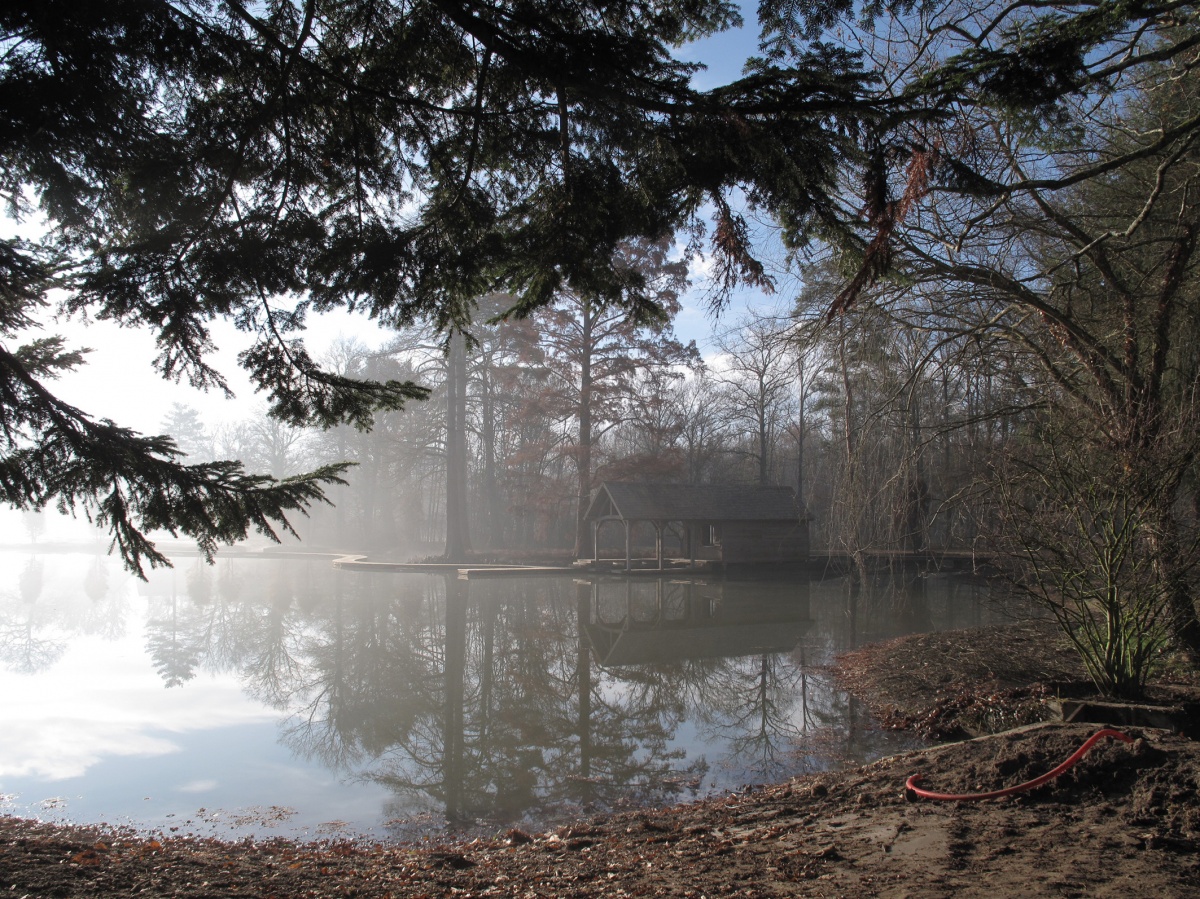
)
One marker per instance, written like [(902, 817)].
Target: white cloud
[(101, 700), (699, 269), (61, 748)]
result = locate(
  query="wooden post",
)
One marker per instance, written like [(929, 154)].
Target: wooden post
[(628, 549), (658, 543)]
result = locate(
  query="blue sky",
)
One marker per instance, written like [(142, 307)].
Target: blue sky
[(724, 54)]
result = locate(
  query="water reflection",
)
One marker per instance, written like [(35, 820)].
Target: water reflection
[(503, 701), (483, 702), (25, 642)]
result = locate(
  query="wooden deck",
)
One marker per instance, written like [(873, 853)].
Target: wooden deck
[(950, 561), (460, 569)]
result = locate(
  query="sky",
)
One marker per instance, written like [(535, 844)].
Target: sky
[(118, 381)]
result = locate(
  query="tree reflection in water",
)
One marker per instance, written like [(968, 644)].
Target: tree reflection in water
[(735, 655), (510, 718), (27, 640), (501, 701)]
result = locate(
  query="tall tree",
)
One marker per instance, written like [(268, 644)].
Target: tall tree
[(701, 436), (184, 425), (646, 446), (593, 354), (458, 536), (196, 161)]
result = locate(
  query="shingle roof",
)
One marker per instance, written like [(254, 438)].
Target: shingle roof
[(689, 502)]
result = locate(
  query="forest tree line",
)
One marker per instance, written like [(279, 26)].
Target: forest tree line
[(882, 432)]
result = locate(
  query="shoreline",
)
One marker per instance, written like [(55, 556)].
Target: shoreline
[(1125, 821)]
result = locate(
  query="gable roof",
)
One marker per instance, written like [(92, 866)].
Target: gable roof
[(691, 502)]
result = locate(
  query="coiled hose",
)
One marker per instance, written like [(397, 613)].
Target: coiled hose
[(912, 792)]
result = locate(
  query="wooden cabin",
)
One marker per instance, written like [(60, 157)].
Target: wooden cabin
[(721, 523)]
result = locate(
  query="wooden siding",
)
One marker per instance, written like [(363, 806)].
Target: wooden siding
[(762, 541)]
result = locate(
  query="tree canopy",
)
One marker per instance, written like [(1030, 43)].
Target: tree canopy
[(205, 159)]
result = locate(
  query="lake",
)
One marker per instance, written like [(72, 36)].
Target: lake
[(282, 696)]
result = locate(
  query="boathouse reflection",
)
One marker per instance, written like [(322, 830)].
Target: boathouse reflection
[(730, 642), (634, 621), (545, 712)]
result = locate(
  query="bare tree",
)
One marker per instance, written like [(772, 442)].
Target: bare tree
[(759, 379)]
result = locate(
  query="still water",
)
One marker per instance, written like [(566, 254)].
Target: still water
[(283, 696)]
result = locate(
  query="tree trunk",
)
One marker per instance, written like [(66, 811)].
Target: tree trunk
[(583, 455), (491, 484), (916, 536), (801, 501), (1185, 624), (852, 510), (763, 440), (458, 542)]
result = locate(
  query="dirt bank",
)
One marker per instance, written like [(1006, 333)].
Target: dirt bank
[(1125, 822)]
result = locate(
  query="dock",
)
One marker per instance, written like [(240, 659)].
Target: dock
[(941, 561)]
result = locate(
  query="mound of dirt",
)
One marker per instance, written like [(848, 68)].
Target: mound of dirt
[(954, 685)]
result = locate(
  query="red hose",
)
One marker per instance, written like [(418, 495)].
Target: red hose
[(912, 791)]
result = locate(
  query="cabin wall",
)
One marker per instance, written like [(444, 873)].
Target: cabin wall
[(704, 553), (763, 541)]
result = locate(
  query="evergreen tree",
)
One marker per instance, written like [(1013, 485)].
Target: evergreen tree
[(184, 425), (196, 161)]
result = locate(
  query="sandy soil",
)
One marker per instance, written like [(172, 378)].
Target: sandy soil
[(1124, 822)]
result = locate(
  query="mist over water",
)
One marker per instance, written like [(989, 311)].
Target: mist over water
[(282, 696)]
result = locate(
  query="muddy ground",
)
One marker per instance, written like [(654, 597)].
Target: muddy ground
[(1123, 822)]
